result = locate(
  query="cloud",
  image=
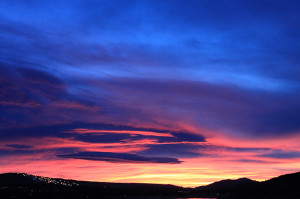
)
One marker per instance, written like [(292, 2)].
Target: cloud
[(150, 145), (242, 86), (247, 149), (126, 73), (19, 146), (119, 157), (255, 161), (99, 133), (104, 138), (32, 96), (242, 111), (179, 150), (280, 154), (182, 136), (40, 77), (253, 112)]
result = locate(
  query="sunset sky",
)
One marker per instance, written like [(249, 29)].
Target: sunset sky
[(160, 91)]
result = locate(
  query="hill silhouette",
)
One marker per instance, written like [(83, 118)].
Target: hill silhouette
[(26, 186), (228, 184), (282, 187)]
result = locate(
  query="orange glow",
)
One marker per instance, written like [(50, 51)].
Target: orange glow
[(218, 162), (191, 173)]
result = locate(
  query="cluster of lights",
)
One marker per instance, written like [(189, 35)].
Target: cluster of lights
[(51, 180)]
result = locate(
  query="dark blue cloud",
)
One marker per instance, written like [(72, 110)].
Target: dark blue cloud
[(111, 137), (40, 77), (20, 150), (280, 154), (252, 112), (67, 131), (247, 149), (19, 146), (229, 36), (32, 96), (119, 157), (103, 138), (255, 161), (230, 66), (189, 137), (194, 150), (153, 153), (179, 150)]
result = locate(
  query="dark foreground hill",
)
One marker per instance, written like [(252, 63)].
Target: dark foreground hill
[(282, 187), (25, 186), (227, 187)]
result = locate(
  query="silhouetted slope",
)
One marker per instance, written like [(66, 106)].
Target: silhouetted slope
[(227, 185), (10, 179), (21, 185), (285, 186), (288, 180), (25, 186), (242, 186), (282, 187), (19, 179)]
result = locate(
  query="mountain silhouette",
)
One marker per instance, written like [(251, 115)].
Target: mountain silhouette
[(19, 179), (227, 185), (26, 186), (282, 187)]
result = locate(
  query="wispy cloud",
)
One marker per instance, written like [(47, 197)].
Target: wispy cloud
[(119, 157), (200, 83)]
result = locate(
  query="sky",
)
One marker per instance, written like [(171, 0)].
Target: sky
[(183, 92)]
